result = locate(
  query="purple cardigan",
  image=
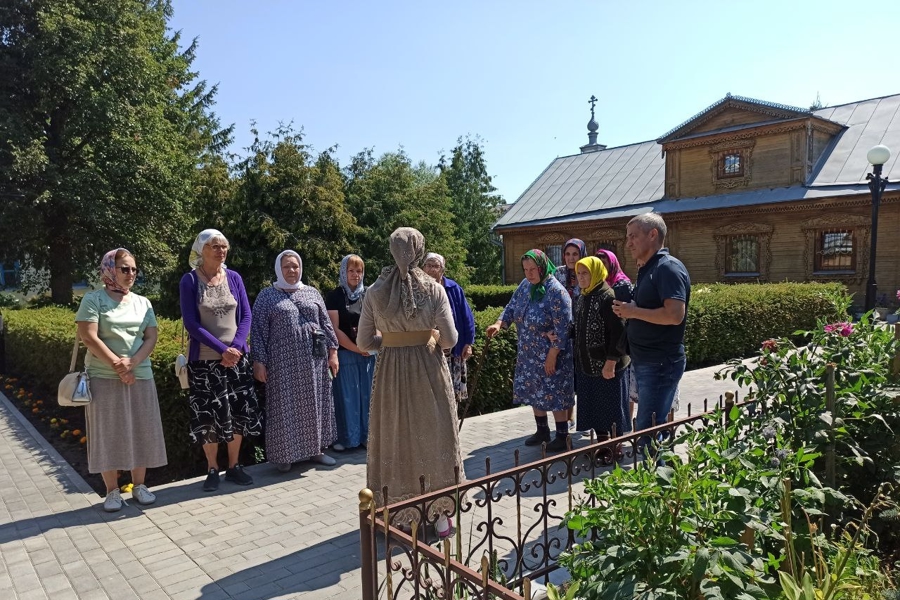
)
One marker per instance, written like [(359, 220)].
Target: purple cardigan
[(462, 315), (190, 315)]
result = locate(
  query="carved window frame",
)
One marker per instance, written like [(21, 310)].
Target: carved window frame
[(718, 153), (611, 245), (609, 236), (818, 268), (861, 228), (723, 237), (549, 242), (730, 244)]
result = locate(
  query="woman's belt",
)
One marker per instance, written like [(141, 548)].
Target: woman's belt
[(402, 339)]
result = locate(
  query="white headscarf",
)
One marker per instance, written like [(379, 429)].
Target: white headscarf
[(435, 257), (281, 284), (196, 256)]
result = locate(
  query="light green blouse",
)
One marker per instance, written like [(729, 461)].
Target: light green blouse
[(120, 325)]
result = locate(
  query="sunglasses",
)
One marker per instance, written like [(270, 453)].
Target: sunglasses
[(128, 270)]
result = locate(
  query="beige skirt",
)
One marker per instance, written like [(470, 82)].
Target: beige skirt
[(124, 430)]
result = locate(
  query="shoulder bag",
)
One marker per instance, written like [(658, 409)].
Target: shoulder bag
[(181, 361), (75, 388), (181, 370)]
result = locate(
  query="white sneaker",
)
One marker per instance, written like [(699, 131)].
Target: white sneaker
[(142, 495), (324, 459), (338, 447), (113, 502)]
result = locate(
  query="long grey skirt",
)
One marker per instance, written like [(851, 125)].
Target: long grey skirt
[(123, 426)]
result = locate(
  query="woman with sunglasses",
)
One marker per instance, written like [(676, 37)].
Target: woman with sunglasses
[(124, 430)]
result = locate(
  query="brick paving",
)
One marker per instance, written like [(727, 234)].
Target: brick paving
[(291, 535)]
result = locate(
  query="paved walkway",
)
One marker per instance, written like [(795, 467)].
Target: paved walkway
[(287, 536)]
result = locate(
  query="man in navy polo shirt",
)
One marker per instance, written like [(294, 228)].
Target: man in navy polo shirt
[(656, 319)]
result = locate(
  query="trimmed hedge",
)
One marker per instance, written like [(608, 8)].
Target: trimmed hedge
[(493, 389), (39, 347), (725, 322), (485, 296), (731, 321)]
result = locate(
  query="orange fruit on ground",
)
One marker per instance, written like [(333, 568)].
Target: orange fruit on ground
[(83, 440), (76, 432)]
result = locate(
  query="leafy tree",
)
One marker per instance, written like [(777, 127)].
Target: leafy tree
[(214, 189), (102, 126), (475, 208), (390, 193), (285, 198)]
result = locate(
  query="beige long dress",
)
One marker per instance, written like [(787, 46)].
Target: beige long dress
[(412, 424)]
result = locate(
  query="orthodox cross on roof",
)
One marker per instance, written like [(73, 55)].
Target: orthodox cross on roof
[(593, 127)]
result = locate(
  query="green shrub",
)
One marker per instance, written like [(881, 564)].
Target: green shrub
[(731, 321), (493, 389), (743, 509), (39, 347), (867, 407), (725, 322), (484, 296), (727, 515)]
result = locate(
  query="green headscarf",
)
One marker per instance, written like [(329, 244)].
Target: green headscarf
[(545, 266)]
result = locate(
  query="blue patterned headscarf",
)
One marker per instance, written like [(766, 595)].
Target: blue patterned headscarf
[(354, 294)]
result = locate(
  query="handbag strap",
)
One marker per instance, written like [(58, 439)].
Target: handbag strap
[(74, 353), (182, 335)]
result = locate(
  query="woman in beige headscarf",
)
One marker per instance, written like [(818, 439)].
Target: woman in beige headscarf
[(413, 424)]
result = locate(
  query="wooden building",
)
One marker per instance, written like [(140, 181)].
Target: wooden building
[(750, 191)]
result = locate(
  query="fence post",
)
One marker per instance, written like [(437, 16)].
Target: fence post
[(729, 404), (831, 407), (367, 544)]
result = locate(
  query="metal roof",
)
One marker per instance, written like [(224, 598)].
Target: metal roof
[(592, 181), (745, 198), (630, 179), (869, 122)]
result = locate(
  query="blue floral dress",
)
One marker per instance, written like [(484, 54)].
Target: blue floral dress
[(533, 319)]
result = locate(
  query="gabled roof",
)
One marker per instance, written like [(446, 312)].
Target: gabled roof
[(630, 179), (613, 177), (772, 109)]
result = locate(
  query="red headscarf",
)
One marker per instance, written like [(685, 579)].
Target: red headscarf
[(616, 274)]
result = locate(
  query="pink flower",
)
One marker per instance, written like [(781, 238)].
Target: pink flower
[(770, 345), (844, 329)]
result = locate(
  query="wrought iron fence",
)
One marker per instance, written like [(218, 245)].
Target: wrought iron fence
[(508, 524)]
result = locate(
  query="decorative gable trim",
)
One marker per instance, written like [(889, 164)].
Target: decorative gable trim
[(743, 134), (770, 109)]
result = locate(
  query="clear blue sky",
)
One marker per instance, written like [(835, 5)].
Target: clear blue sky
[(519, 74)]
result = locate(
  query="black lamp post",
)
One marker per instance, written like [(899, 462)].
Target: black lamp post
[(877, 156)]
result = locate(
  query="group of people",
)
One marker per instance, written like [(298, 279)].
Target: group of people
[(584, 329), (382, 366), (316, 357)]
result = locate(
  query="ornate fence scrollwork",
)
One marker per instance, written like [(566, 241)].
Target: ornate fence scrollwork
[(507, 523)]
